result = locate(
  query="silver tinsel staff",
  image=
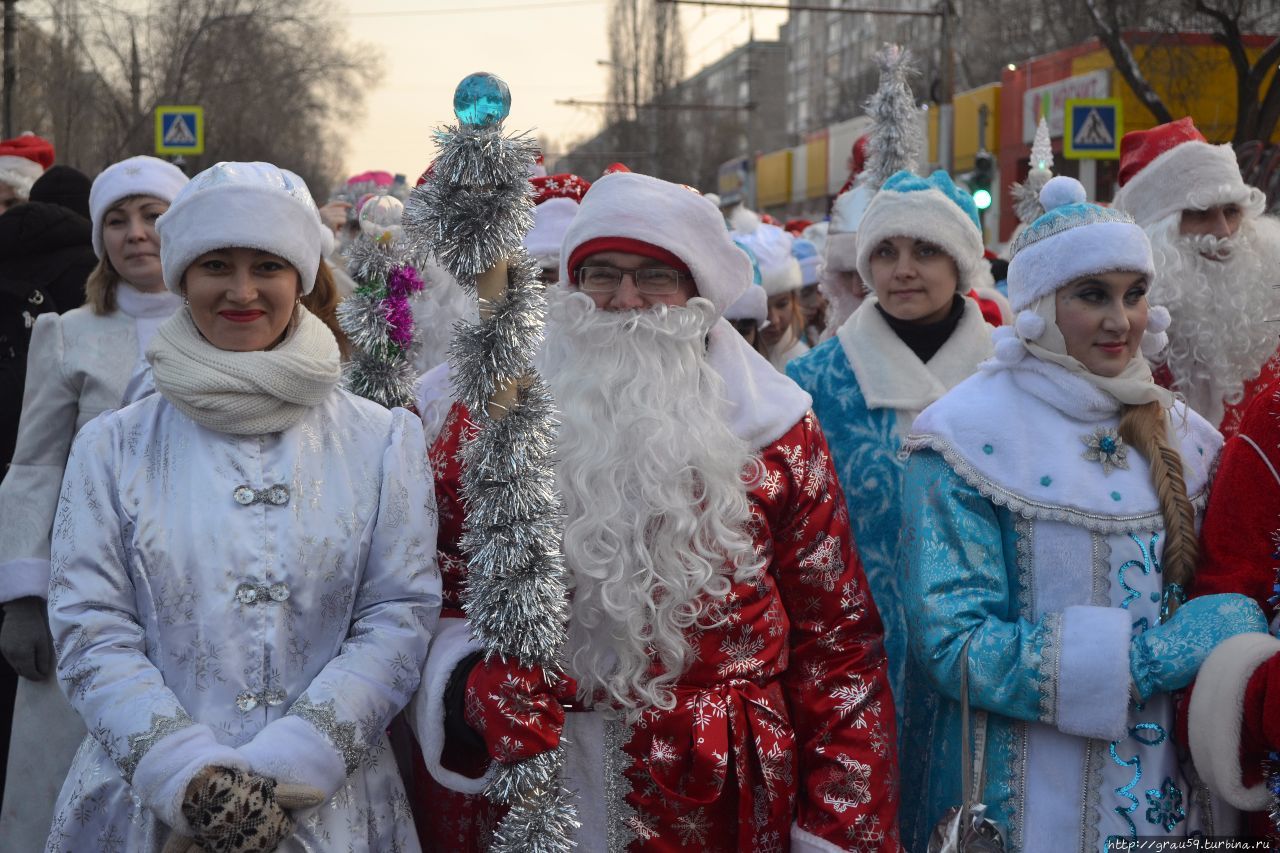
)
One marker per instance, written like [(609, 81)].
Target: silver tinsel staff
[(472, 212), (895, 138)]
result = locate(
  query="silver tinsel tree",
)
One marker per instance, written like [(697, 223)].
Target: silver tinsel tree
[(895, 141), (1026, 195), (472, 213), (377, 317)]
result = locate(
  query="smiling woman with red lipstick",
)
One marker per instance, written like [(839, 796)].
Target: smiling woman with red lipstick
[(244, 562), (1051, 506)]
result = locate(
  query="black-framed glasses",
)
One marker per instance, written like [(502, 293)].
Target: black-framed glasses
[(651, 281)]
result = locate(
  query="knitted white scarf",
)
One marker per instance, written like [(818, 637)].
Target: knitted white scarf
[(245, 393)]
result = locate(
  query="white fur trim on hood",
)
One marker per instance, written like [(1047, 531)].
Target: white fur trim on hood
[(243, 205), (136, 176), (763, 403), (1193, 175), (667, 215), (550, 223), (1216, 715), (753, 304)]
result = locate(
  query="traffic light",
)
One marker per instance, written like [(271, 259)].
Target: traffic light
[(979, 180)]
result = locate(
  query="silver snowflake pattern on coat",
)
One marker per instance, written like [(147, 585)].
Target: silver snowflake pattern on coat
[(823, 565), (739, 654), (849, 787)]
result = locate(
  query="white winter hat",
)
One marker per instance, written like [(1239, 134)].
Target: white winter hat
[(849, 208), (1071, 240), (753, 304), (556, 199), (136, 176), (626, 210), (932, 209), (19, 173), (779, 270), (243, 205)]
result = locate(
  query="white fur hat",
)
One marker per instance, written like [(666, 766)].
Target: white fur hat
[(136, 176), (849, 208), (1071, 240), (753, 304), (556, 199), (932, 209), (629, 207), (1171, 168), (780, 272), (19, 173), (243, 205)]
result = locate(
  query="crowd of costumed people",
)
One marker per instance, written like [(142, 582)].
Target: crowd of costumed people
[(522, 510)]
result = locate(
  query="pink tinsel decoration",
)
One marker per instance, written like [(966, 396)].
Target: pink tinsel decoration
[(399, 320), (403, 280)]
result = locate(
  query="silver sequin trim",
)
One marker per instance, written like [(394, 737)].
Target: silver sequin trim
[(1101, 571), (1092, 216), (1049, 655), (1028, 508), (1023, 530), (343, 736), (619, 814), (140, 744)]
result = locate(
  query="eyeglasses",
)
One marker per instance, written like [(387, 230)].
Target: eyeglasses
[(651, 281)]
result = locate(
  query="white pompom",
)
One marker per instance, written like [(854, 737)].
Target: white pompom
[(1030, 325), (1158, 319), (1061, 190), (1153, 343), (1010, 350)]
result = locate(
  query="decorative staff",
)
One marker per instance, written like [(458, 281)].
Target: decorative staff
[(472, 212)]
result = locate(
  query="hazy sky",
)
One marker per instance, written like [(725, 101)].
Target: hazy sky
[(546, 50)]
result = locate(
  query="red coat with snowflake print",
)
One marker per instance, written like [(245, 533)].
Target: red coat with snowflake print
[(784, 716)]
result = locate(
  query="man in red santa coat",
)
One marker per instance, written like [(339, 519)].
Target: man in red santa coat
[(1217, 266), (725, 669)]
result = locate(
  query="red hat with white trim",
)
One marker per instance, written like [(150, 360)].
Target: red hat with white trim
[(23, 159), (556, 199), (1171, 168)]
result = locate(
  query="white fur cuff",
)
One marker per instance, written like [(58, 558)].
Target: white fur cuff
[(451, 644), (1216, 716), (162, 776), (292, 750), (23, 578), (803, 841), (1093, 672)]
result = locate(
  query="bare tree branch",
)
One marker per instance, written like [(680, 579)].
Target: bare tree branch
[(1108, 30)]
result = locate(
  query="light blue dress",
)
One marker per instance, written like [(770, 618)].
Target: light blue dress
[(1048, 564)]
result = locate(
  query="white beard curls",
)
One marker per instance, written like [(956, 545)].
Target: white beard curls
[(1222, 311), (655, 492)]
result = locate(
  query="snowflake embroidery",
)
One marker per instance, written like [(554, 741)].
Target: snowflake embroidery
[(817, 477), (852, 698), (1165, 806), (775, 764), (793, 455), (866, 830), (823, 565), (772, 484), (740, 654), (693, 827), (848, 787), (663, 752)]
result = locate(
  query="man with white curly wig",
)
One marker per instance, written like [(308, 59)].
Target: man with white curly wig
[(724, 686), (1217, 259)]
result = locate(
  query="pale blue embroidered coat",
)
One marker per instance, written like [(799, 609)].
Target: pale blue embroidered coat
[(1050, 565), (867, 387), (207, 588)]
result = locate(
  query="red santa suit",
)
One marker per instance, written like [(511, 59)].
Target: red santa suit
[(782, 733), (1234, 712)]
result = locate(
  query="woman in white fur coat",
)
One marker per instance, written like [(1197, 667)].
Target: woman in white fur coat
[(79, 365), (244, 583), (1051, 504)]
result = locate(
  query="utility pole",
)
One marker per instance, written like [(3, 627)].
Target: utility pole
[(10, 63)]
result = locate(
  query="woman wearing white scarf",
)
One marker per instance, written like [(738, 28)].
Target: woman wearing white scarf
[(1052, 502), (79, 364), (244, 579)]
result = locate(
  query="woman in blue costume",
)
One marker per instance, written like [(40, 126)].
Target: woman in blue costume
[(919, 248), (1051, 504)]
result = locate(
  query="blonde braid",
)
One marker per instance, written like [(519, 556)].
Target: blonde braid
[(1145, 428)]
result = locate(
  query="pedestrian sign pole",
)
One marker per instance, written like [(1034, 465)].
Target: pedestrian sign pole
[(1091, 131), (179, 130)]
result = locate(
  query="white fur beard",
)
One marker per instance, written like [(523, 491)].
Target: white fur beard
[(653, 483), (1223, 313)]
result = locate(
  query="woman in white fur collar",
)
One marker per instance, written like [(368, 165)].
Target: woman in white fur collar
[(244, 581), (1051, 513)]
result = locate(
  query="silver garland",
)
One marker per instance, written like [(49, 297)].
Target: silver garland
[(895, 141), (473, 211), (1026, 195)]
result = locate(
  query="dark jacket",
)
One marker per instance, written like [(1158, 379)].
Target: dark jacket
[(46, 253)]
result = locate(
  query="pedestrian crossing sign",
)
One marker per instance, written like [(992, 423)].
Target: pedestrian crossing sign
[(1092, 128), (179, 130)]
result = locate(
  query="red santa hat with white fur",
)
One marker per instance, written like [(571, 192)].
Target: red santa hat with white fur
[(23, 159), (1172, 167), (556, 199)]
